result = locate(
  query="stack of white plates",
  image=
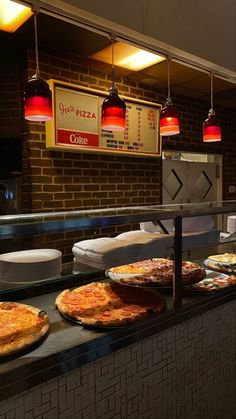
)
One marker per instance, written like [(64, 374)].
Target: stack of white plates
[(30, 265), (231, 224)]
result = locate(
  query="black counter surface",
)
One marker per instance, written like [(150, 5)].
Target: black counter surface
[(69, 345)]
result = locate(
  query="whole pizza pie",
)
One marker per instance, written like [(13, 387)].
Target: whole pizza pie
[(103, 304), (21, 325), (160, 273), (225, 262)]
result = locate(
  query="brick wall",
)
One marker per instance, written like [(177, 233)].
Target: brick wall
[(62, 180)]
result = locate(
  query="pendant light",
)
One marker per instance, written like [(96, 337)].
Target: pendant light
[(169, 120), (211, 126), (113, 107), (37, 94)]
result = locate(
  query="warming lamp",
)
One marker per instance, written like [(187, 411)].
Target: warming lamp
[(37, 94), (113, 107), (211, 126), (169, 120)]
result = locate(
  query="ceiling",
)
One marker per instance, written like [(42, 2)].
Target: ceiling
[(60, 35)]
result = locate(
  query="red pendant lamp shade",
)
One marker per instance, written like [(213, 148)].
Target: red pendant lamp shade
[(169, 120), (113, 112), (113, 107), (38, 100), (211, 129), (211, 126), (37, 94)]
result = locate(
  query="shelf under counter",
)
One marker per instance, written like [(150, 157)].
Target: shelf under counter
[(68, 346)]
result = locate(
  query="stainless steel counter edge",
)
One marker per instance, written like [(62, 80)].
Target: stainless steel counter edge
[(38, 223), (69, 346)]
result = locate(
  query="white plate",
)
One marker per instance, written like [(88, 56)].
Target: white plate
[(27, 266), (214, 275), (115, 276)]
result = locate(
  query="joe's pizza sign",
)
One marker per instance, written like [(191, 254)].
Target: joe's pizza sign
[(76, 124)]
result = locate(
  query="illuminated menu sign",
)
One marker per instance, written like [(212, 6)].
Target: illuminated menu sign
[(76, 124)]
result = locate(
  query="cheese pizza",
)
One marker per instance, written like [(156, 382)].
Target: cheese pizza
[(21, 325), (103, 304)]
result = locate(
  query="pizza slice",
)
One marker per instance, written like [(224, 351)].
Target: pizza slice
[(225, 262)]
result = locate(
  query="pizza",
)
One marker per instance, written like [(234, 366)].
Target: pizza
[(225, 262), (104, 304), (212, 284), (142, 267), (162, 274), (224, 258), (21, 325)]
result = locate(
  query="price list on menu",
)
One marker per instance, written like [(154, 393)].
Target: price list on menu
[(141, 132)]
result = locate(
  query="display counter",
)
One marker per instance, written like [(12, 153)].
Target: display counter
[(180, 362)]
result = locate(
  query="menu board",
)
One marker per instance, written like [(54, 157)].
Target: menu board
[(76, 126)]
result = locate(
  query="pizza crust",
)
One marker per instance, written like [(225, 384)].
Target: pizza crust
[(59, 303)]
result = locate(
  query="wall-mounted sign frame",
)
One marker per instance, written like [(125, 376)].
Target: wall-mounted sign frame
[(75, 126)]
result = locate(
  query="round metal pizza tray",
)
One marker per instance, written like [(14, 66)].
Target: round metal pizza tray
[(152, 286), (95, 327)]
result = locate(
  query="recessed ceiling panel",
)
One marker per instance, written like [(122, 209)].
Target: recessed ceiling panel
[(127, 56)]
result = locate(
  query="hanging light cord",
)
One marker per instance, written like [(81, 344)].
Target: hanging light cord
[(211, 91), (112, 62), (168, 100), (36, 43), (168, 76), (211, 111), (113, 88)]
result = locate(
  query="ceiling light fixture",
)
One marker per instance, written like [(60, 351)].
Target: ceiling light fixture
[(13, 15), (113, 107), (169, 120), (128, 56), (211, 126), (37, 94)]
